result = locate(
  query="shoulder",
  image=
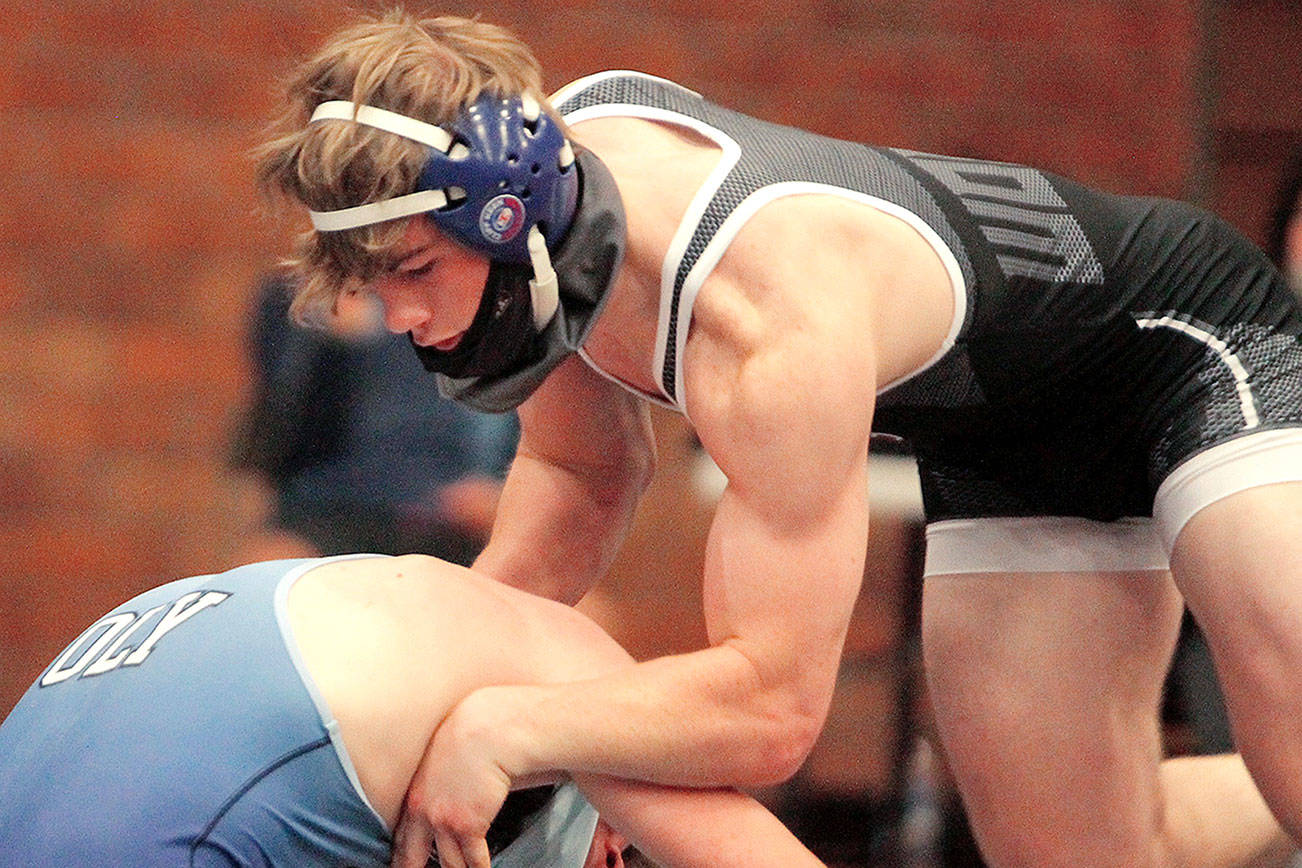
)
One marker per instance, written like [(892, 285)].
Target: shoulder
[(576, 411), (440, 623), (393, 644), (835, 279)]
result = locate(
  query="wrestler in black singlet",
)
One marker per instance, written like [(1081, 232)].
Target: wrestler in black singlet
[(1104, 339)]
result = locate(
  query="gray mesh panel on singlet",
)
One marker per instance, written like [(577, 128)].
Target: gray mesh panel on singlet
[(950, 382), (1274, 365), (770, 154)]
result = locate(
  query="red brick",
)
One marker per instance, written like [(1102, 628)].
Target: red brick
[(144, 30), (218, 292), (1259, 87), (130, 241), (55, 356), (13, 292)]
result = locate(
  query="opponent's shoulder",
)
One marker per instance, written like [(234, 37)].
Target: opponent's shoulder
[(421, 613)]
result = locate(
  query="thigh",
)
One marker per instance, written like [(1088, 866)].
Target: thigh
[(1239, 562), (1046, 689)]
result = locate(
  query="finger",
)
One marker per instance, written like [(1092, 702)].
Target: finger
[(412, 842), (449, 850), (476, 852)]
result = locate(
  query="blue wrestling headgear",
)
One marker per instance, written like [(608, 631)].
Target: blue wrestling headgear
[(503, 168), (504, 181)]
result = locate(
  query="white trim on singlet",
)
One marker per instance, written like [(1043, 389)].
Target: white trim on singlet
[(686, 227), (1253, 460), (567, 91), (1186, 325), (1052, 544), (1042, 544), (658, 399), (305, 675), (747, 208), (727, 232)]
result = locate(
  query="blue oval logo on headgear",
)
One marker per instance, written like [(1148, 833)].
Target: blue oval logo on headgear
[(502, 218)]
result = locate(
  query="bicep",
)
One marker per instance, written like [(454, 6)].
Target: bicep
[(584, 458), (789, 427), (576, 418)]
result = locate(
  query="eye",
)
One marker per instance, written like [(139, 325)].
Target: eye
[(419, 270)]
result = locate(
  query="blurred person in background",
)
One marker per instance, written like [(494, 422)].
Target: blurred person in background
[(346, 448)]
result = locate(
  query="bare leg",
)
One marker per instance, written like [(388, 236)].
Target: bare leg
[(1046, 689), (1216, 817), (1239, 564)]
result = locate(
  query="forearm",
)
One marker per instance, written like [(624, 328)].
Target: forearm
[(703, 719), (686, 828), (558, 529)]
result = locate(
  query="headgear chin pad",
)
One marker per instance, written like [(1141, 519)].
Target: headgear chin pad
[(502, 335)]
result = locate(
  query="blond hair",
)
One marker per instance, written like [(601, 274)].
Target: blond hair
[(429, 69)]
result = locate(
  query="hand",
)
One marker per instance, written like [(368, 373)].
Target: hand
[(456, 792)]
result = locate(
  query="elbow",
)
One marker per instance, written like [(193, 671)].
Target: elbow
[(786, 749), (787, 715)]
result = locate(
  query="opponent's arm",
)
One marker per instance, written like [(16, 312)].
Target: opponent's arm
[(586, 454), (685, 828)]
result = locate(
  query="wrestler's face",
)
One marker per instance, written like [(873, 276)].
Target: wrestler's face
[(607, 848), (433, 287)]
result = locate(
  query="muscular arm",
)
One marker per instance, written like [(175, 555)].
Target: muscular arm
[(678, 828), (785, 410), (783, 567), (585, 456)]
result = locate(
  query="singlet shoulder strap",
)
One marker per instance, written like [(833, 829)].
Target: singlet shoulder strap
[(624, 93), (761, 162)]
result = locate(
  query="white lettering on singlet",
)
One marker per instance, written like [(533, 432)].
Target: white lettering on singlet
[(111, 633)]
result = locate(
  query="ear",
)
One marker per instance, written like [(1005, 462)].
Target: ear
[(607, 849)]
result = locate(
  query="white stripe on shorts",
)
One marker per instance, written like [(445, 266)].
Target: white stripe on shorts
[(1042, 544)]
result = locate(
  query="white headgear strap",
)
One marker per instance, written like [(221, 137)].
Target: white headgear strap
[(399, 206)]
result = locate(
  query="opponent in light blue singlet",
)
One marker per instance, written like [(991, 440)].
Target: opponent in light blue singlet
[(182, 729)]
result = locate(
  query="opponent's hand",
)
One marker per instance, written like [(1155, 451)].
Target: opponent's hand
[(456, 792)]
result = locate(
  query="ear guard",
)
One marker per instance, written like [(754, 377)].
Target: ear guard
[(502, 169), (503, 180)]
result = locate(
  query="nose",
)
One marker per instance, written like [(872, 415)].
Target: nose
[(403, 311)]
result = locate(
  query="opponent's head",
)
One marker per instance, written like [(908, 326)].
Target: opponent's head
[(397, 117)]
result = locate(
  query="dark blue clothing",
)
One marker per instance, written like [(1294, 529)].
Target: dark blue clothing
[(355, 440)]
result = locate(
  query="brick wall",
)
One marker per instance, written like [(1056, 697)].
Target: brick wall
[(130, 237)]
